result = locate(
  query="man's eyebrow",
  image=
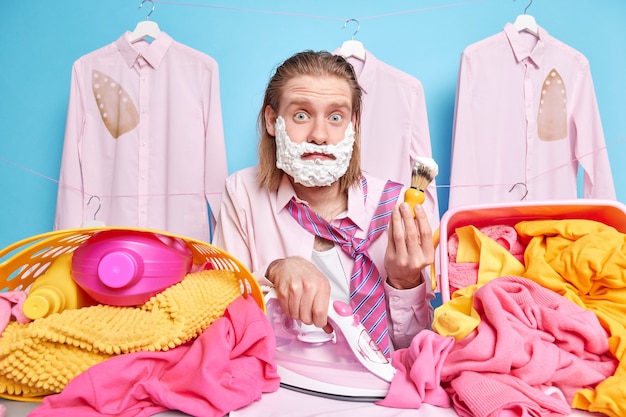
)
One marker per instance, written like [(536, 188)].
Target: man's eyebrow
[(303, 100), (298, 100)]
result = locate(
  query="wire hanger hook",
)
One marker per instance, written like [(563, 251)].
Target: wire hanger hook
[(527, 6), (526, 9), (522, 185), (99, 205), (358, 26), (151, 10)]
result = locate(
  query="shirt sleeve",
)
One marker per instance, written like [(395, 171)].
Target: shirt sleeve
[(216, 168), (591, 149), (409, 311), (232, 232), (70, 194), (463, 169)]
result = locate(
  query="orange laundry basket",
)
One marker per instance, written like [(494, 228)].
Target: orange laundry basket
[(609, 212), (22, 262)]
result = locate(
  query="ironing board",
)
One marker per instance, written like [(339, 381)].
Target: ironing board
[(23, 409), (288, 403)]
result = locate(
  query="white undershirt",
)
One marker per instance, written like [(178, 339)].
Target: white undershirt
[(328, 262)]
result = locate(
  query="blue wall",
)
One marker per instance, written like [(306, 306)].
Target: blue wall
[(39, 41)]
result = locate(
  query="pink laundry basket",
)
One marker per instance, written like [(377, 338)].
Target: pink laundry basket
[(609, 212)]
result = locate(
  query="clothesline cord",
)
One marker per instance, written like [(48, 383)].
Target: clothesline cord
[(441, 186), (274, 12)]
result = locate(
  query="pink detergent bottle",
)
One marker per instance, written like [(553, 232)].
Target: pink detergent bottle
[(127, 267)]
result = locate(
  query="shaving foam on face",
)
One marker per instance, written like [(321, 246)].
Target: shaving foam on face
[(312, 172)]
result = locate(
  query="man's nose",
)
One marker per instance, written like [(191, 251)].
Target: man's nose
[(319, 132)]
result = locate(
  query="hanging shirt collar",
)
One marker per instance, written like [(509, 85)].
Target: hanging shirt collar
[(152, 53), (523, 49), (365, 69)]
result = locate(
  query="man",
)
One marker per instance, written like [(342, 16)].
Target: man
[(308, 222)]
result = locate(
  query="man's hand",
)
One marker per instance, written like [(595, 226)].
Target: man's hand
[(302, 290), (410, 248)]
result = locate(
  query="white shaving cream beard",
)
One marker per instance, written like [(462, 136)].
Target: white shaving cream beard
[(312, 172)]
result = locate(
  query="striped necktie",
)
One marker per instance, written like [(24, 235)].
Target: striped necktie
[(367, 294)]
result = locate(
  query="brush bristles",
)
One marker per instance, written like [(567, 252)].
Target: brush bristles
[(424, 171)]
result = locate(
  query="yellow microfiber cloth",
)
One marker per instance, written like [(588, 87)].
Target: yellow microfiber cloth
[(41, 357)]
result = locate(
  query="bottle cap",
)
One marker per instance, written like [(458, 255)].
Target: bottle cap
[(120, 269), (42, 302)]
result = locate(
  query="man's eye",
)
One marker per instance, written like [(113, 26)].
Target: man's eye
[(336, 118), (300, 116)]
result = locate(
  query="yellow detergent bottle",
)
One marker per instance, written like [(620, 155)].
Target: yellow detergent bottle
[(55, 291)]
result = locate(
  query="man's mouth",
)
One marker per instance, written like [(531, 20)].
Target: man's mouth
[(317, 156)]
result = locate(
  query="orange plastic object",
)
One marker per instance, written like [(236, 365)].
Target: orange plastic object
[(23, 262)]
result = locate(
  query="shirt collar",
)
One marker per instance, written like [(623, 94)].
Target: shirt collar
[(285, 193), (367, 74), (153, 53), (356, 203), (522, 49)]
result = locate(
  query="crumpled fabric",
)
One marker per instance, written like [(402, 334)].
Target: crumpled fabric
[(11, 308), (227, 367), (463, 274), (585, 262), (529, 337), (418, 373)]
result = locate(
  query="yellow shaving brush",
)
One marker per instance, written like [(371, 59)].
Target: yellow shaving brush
[(423, 173)]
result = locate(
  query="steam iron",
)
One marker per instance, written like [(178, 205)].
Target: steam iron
[(345, 365)]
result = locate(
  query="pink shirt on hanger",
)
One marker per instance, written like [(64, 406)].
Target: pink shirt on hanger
[(394, 123), (144, 134), (526, 116), (255, 227)]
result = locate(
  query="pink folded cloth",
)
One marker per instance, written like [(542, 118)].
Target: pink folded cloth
[(481, 395), (463, 274), (11, 308)]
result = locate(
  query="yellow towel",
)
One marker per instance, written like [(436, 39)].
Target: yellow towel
[(41, 357)]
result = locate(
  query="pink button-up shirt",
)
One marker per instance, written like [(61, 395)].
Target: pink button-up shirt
[(526, 117), (394, 123), (255, 227), (144, 134)]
